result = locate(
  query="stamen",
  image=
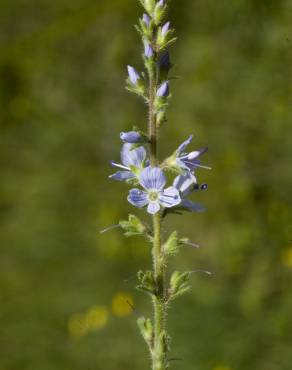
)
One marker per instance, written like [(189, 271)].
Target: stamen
[(204, 271), (197, 165), (109, 228), (120, 166), (194, 245)]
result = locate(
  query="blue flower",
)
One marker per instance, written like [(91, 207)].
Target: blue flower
[(132, 137), (163, 90), (189, 161), (153, 180), (186, 184), (161, 3), (133, 161), (133, 75)]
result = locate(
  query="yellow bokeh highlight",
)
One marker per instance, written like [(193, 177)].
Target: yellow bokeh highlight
[(220, 367), (77, 325), (286, 257), (121, 304), (97, 317)]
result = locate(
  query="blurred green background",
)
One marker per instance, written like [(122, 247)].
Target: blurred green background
[(63, 286)]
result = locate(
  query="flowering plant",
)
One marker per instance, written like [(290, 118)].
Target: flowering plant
[(141, 169)]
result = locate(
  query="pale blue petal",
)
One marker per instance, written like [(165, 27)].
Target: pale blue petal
[(165, 29), (191, 206), (183, 146), (196, 153), (134, 157), (169, 197), (133, 75), (138, 198), (153, 207), (163, 90), (190, 164), (122, 175), (146, 19), (131, 137), (152, 178), (185, 183)]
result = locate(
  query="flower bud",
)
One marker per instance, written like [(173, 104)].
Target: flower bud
[(163, 90), (148, 51), (133, 226), (146, 329), (133, 75), (161, 117), (172, 245), (164, 65), (131, 137), (163, 36), (164, 62), (146, 20), (179, 284), (159, 11), (149, 5), (165, 29)]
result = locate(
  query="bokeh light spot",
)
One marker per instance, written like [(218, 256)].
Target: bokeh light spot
[(77, 325), (121, 304), (97, 317)]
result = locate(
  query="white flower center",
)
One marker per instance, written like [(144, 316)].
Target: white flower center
[(153, 195)]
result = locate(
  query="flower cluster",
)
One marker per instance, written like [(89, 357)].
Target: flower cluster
[(135, 168)]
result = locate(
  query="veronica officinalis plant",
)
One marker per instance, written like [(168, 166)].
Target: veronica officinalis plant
[(142, 170)]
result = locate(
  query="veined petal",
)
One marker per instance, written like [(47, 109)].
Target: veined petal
[(196, 153), (131, 137), (133, 157), (153, 207), (192, 164), (185, 183), (191, 206), (182, 147), (169, 197), (152, 178), (122, 175), (138, 198)]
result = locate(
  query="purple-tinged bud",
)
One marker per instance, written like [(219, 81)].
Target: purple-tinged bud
[(146, 19), (133, 75), (161, 3), (131, 137), (204, 187), (165, 29), (163, 90), (148, 50), (164, 62)]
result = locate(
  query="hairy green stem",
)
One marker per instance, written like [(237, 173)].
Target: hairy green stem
[(159, 354)]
